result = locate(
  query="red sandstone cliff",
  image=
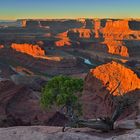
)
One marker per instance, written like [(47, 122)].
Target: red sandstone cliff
[(63, 40), (113, 73), (118, 25), (97, 27), (117, 47), (100, 82), (33, 50), (118, 29)]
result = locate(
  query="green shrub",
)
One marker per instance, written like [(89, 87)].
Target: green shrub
[(62, 91)]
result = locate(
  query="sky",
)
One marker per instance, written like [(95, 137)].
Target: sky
[(25, 9)]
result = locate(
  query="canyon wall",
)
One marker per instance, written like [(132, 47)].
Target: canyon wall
[(117, 30), (134, 25), (113, 73), (117, 25), (117, 47), (97, 27), (121, 29)]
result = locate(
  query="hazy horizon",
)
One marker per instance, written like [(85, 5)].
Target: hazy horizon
[(62, 9), (14, 20)]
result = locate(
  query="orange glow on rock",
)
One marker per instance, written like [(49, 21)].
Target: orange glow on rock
[(63, 40), (117, 47), (116, 29), (113, 73), (33, 50), (97, 26), (119, 25)]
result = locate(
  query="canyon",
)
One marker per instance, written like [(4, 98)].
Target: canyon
[(114, 34), (103, 52)]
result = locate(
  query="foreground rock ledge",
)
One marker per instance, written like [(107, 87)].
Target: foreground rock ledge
[(54, 133)]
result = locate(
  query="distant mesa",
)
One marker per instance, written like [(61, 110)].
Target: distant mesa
[(118, 25), (115, 34)]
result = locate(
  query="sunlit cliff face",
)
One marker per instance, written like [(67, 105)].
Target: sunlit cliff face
[(63, 40), (117, 26), (116, 47), (111, 74), (116, 29), (33, 50)]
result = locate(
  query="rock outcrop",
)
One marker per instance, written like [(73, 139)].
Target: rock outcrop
[(100, 82), (121, 29), (33, 50), (117, 30), (117, 25), (117, 47), (80, 33), (113, 73), (54, 133), (63, 40)]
